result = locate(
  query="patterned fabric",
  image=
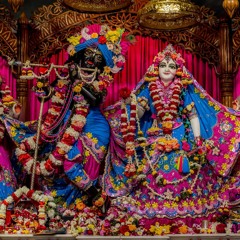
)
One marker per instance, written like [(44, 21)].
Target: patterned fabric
[(159, 188), (82, 165)]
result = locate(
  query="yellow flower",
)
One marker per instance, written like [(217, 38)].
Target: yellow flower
[(78, 88), (191, 203), (113, 36), (183, 229), (216, 107), (89, 135), (78, 179), (54, 193), (103, 148), (226, 114), (233, 117), (131, 219), (152, 229), (231, 147), (132, 227), (201, 95), (155, 205), (95, 140), (79, 229), (138, 204), (167, 204), (159, 230), (74, 40), (148, 205), (39, 84), (107, 69), (90, 226), (210, 103), (237, 130), (174, 204), (94, 35), (226, 156), (185, 204), (166, 167), (126, 234), (87, 153), (196, 90), (166, 229), (144, 161)]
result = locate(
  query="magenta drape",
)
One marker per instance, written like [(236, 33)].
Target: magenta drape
[(7, 76), (138, 59)]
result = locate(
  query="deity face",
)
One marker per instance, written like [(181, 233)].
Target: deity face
[(167, 70), (92, 58)]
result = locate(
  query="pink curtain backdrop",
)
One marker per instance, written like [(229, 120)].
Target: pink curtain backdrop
[(7, 76), (236, 90), (138, 59)]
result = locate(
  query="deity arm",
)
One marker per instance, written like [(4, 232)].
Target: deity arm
[(195, 124)]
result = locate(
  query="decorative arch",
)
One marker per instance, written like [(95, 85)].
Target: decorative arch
[(53, 24)]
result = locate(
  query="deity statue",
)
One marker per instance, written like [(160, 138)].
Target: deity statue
[(173, 149), (74, 134), (11, 108)]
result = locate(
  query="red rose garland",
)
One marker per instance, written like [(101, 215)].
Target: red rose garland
[(128, 130), (166, 112), (56, 158)]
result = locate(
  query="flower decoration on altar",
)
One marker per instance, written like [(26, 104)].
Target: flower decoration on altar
[(41, 200), (113, 43)]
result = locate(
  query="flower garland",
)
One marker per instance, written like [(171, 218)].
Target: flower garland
[(128, 129), (78, 121), (41, 199), (166, 109)]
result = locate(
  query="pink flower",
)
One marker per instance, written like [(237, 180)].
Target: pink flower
[(120, 64), (185, 146)]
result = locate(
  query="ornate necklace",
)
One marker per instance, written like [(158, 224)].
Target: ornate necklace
[(166, 101)]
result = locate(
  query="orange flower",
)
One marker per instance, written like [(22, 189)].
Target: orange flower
[(183, 229), (132, 227), (80, 206)]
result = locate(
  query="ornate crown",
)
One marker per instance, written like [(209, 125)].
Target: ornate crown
[(113, 43)]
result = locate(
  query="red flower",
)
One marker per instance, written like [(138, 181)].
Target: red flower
[(221, 228), (102, 40), (124, 93), (123, 229), (30, 193)]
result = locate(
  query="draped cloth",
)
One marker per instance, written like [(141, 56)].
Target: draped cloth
[(195, 194)]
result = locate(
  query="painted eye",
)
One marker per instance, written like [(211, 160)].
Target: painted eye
[(98, 58), (172, 66), (162, 65)]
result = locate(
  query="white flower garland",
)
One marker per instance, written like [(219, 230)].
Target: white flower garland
[(31, 194)]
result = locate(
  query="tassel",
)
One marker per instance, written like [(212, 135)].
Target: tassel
[(185, 165), (180, 163)]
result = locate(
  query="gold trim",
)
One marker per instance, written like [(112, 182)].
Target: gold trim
[(97, 6), (169, 15)]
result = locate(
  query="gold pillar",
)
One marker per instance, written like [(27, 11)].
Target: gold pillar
[(226, 64), (22, 53)]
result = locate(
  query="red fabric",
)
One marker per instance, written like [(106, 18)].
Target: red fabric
[(138, 59)]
